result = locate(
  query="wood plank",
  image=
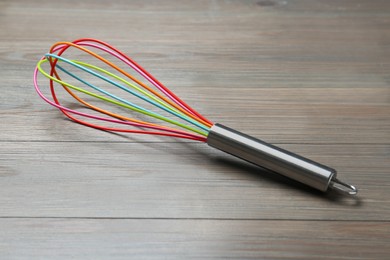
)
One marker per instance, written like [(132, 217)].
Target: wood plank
[(181, 180), (276, 115), (192, 239)]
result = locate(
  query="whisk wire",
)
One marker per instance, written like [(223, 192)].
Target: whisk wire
[(120, 55), (119, 101), (156, 99), (179, 104), (194, 125), (149, 98), (161, 130)]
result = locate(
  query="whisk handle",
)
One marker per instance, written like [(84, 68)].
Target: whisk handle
[(276, 159)]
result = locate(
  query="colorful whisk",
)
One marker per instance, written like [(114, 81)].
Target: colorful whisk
[(102, 80)]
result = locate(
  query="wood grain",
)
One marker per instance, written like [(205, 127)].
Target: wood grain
[(192, 239), (309, 76), (80, 181)]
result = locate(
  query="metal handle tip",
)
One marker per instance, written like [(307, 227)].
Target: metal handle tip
[(343, 187)]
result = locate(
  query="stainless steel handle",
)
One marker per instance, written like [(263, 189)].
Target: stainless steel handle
[(276, 159)]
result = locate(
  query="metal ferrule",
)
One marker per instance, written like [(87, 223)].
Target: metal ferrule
[(276, 159)]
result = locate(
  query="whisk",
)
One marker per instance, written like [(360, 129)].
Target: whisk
[(98, 83)]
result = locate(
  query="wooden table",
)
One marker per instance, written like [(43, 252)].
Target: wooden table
[(309, 76)]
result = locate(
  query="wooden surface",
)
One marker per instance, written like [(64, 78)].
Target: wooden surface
[(309, 76)]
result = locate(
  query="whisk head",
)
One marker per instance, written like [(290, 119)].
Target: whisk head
[(102, 80)]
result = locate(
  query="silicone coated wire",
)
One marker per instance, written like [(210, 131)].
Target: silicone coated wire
[(97, 108), (208, 124), (160, 105), (131, 85), (187, 112), (120, 102), (61, 47), (142, 124), (169, 132), (148, 76), (118, 116), (140, 72), (129, 62)]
